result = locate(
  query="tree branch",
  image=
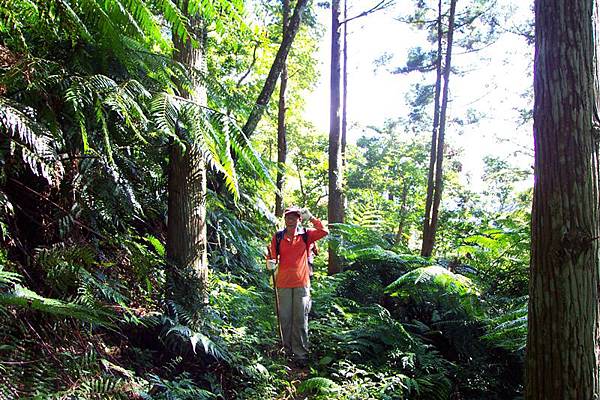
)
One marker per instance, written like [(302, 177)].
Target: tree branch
[(239, 83), (271, 81), (380, 6)]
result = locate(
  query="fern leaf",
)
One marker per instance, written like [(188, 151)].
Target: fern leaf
[(8, 278), (319, 385), (176, 19), (23, 297), (74, 19), (34, 140)]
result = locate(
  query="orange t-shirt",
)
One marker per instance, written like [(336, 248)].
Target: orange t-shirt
[(293, 262)]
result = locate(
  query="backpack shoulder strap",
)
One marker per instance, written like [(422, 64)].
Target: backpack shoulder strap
[(278, 238), (305, 236)]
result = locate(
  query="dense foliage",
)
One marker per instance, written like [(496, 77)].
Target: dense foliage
[(89, 105)]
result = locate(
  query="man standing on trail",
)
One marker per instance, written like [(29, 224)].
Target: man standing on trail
[(289, 248)]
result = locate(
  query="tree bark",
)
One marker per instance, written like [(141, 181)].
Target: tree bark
[(345, 86), (335, 205), (562, 341), (186, 227), (302, 192), (281, 131), (278, 63), (439, 181), (402, 216), (427, 245)]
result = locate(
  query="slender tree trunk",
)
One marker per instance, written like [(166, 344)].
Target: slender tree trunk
[(562, 342), (402, 216), (427, 245), (439, 182), (186, 228), (335, 205), (281, 145), (278, 63), (281, 132), (302, 192), (345, 86)]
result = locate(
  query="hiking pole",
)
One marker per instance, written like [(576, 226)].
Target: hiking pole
[(276, 296)]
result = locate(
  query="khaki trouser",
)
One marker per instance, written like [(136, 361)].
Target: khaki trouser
[(294, 306)]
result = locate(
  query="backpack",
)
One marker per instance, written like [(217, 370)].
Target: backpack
[(279, 237)]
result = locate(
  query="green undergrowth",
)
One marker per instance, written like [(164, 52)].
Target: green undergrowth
[(389, 327)]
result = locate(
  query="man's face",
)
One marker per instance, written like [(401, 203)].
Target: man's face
[(291, 220)]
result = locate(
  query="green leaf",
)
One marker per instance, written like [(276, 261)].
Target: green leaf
[(325, 360), (319, 385), (156, 244)]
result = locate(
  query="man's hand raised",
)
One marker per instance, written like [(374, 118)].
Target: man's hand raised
[(306, 215)]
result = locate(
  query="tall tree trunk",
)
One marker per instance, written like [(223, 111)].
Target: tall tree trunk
[(562, 341), (275, 71), (427, 245), (402, 216), (438, 183), (300, 172), (335, 205), (281, 133), (345, 86), (186, 228)]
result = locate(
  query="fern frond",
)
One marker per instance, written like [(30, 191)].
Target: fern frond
[(103, 22), (208, 345), (112, 194), (164, 110), (509, 331), (145, 20), (451, 292), (124, 102), (174, 16), (8, 278), (22, 297), (72, 19), (247, 156), (34, 140), (208, 135), (181, 387), (366, 215), (102, 387), (434, 275), (366, 246), (320, 385), (210, 132)]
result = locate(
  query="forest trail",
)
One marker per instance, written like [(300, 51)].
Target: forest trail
[(295, 378)]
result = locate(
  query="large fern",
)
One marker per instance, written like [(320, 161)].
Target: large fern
[(510, 329), (215, 135), (181, 387), (8, 278), (180, 338), (22, 297), (452, 293), (31, 139)]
